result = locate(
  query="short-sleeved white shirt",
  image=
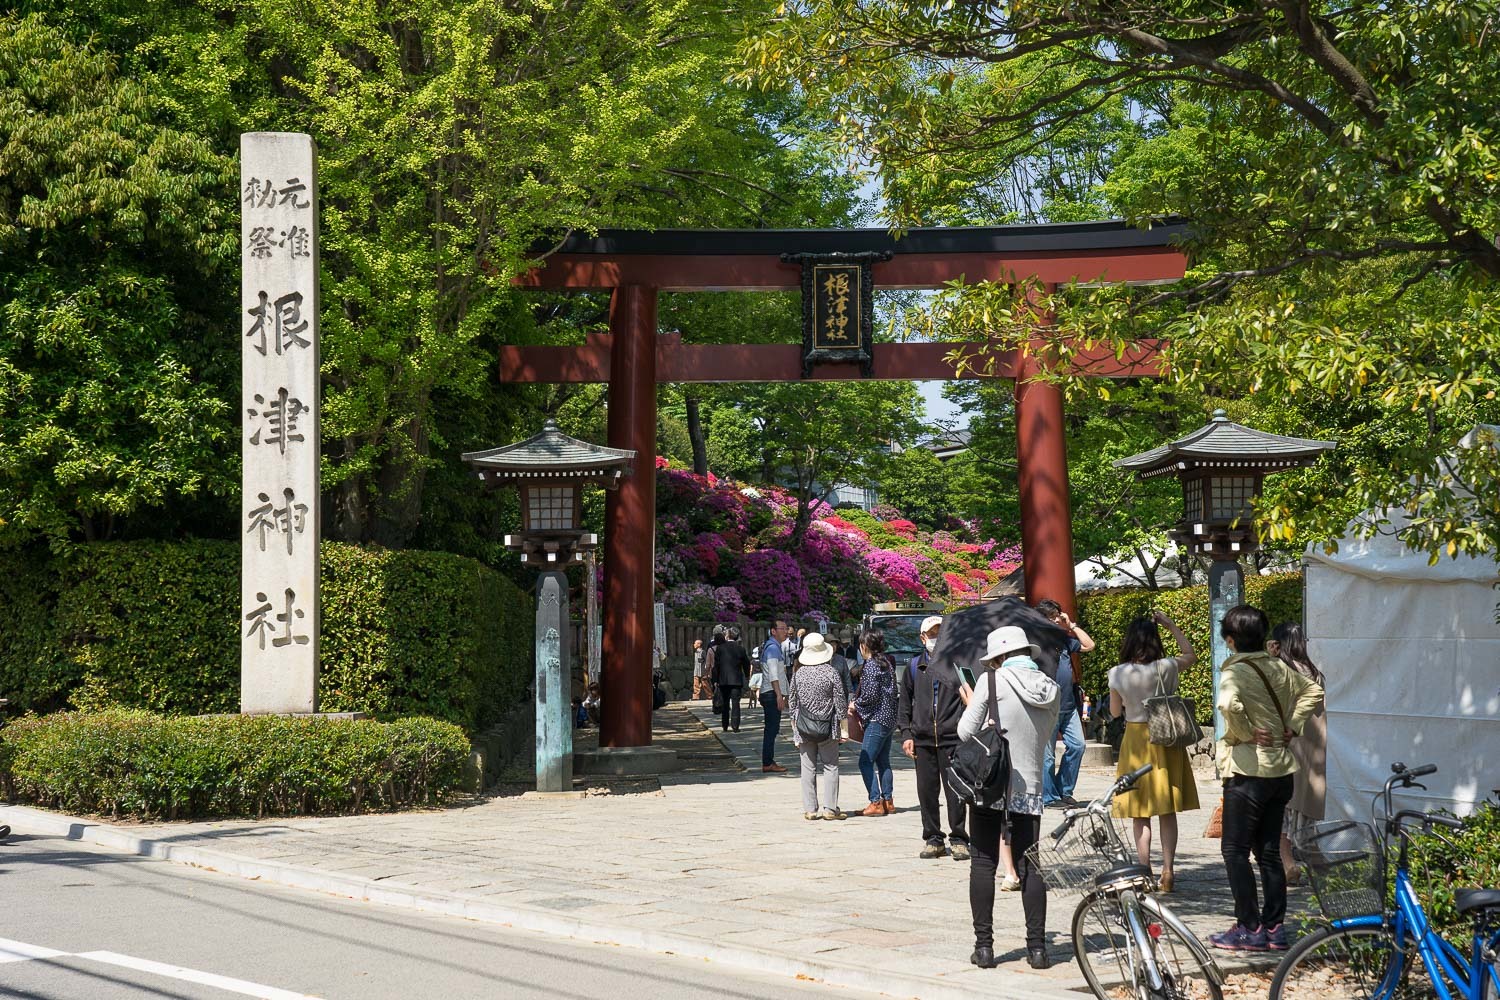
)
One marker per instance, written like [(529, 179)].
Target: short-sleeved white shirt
[(1138, 681)]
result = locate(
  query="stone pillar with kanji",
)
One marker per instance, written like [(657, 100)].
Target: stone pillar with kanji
[(279, 530)]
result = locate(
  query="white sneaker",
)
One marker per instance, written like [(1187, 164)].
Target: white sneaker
[(1009, 884)]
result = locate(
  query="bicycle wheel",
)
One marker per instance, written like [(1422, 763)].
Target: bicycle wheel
[(1104, 948), (1360, 963), (1181, 958), (1113, 966)]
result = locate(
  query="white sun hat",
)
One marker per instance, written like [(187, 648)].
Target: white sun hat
[(815, 649), (929, 623), (1008, 639)]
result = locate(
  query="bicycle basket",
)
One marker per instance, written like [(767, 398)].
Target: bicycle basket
[(1346, 866), (1092, 846)]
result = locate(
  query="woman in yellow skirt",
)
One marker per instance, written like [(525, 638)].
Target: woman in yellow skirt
[(1169, 788)]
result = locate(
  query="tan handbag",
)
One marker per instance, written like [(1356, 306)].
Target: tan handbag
[(1170, 718), (1215, 828)]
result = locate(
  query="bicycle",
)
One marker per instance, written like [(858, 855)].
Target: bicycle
[(1127, 942), (1367, 950)]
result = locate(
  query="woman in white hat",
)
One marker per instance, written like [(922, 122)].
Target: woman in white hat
[(818, 702), (1026, 702)]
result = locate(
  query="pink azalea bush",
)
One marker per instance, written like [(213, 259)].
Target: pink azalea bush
[(725, 551), (771, 581)]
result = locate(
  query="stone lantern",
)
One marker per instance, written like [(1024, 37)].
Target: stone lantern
[(1221, 467), (551, 469)]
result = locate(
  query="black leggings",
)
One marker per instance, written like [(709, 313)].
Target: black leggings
[(984, 841)]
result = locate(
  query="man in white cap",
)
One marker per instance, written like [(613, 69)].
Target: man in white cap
[(932, 702)]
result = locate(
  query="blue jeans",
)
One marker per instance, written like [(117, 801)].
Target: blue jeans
[(875, 762), (1055, 786), (773, 726)]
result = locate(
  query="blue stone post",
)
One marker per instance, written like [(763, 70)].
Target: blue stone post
[(1226, 588), (554, 706)]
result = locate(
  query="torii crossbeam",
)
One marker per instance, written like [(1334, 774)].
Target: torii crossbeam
[(634, 266)]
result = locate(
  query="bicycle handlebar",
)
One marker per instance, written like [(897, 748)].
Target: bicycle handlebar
[(1426, 819), (1124, 783), (1407, 777)]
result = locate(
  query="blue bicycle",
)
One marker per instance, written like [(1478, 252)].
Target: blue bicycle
[(1369, 952)]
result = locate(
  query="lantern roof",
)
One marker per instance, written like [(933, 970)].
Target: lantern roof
[(551, 454), (1224, 444)]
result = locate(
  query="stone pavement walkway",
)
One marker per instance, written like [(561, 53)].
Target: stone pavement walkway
[(718, 864)]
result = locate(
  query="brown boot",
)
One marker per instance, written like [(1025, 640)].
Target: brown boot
[(874, 809), (890, 806)]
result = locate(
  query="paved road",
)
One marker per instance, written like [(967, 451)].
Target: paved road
[(79, 922)]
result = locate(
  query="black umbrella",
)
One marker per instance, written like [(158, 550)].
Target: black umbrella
[(961, 642)]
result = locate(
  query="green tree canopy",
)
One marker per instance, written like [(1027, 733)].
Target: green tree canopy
[(817, 435), (115, 356), (1340, 166), (917, 484)]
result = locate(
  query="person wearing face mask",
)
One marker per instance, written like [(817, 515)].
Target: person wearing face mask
[(931, 704)]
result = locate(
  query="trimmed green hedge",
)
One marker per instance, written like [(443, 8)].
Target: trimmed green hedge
[(1449, 860), (123, 762), (153, 625), (1106, 615)]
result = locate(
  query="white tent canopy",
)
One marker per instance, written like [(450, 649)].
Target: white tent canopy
[(1412, 657)]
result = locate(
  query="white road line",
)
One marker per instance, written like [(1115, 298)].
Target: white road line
[(16, 951), (193, 976)]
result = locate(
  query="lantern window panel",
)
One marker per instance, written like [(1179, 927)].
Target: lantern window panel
[(1232, 498), (1192, 499), (549, 508)]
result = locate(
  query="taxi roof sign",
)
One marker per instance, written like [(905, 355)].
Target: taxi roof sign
[(889, 607)]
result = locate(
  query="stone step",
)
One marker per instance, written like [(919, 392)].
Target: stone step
[(1094, 754)]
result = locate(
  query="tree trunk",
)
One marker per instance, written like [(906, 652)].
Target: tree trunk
[(351, 513), (695, 435), (398, 509)]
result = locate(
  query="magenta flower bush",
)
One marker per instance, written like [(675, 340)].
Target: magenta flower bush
[(1007, 561), (725, 552), (693, 601), (898, 572), (729, 606), (771, 583)]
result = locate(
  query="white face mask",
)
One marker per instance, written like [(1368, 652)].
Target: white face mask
[(931, 645)]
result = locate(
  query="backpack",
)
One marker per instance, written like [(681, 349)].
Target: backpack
[(979, 768)]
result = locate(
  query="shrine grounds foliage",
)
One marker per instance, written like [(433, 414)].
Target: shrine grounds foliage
[(1106, 615), (725, 551), (152, 625), (127, 762)]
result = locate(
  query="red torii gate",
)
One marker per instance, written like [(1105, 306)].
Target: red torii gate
[(632, 358)]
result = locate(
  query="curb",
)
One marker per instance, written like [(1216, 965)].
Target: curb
[(1009, 986)]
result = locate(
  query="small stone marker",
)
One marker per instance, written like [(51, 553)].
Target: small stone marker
[(279, 522)]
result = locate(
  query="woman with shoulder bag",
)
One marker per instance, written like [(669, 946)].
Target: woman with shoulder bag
[(1025, 702), (818, 701), (874, 706), (1264, 705), (1169, 788)]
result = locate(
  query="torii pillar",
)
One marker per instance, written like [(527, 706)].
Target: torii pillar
[(630, 523)]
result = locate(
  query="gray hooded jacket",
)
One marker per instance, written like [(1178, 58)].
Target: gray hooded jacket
[(1026, 699)]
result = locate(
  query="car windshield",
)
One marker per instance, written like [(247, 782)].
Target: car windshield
[(903, 638)]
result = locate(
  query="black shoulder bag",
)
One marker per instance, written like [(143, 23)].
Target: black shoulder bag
[(979, 768)]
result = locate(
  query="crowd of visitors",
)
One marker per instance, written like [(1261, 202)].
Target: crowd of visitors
[(845, 688)]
